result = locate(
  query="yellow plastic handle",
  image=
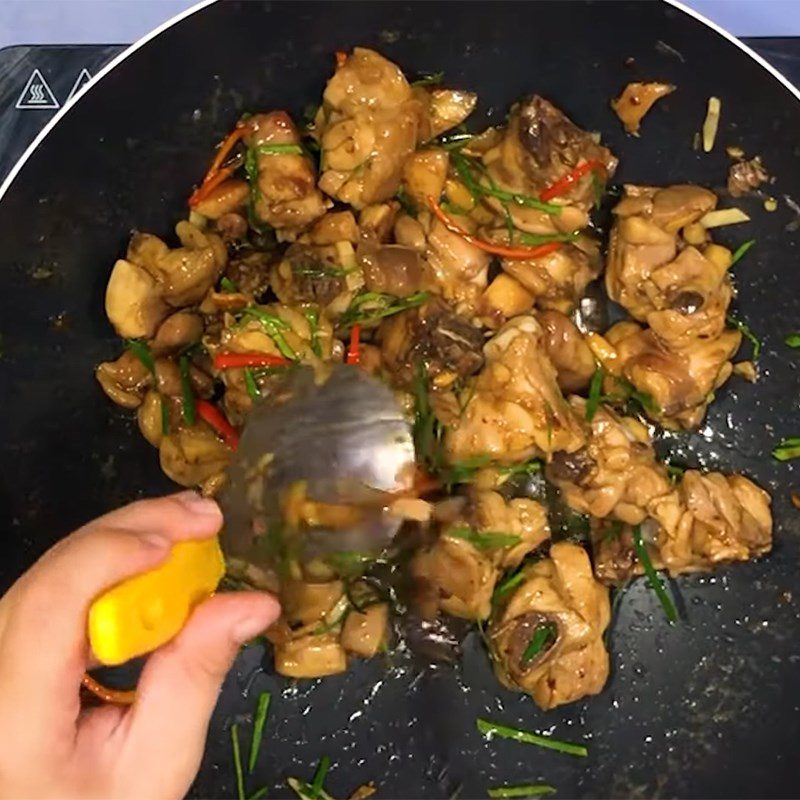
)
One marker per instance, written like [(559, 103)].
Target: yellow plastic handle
[(146, 611)]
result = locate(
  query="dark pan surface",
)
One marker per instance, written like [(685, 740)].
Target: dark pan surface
[(707, 709)]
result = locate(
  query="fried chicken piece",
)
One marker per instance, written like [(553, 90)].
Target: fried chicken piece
[(460, 569), (559, 595), (288, 199), (616, 474), (516, 410)]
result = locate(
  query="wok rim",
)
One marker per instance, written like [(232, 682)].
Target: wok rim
[(199, 6)]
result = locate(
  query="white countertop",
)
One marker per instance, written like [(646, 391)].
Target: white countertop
[(124, 21)]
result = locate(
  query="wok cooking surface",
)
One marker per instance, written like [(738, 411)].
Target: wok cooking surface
[(708, 708)]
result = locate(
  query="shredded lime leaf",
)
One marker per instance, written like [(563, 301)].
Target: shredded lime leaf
[(793, 340), (787, 449), (741, 250), (237, 762), (544, 635), (278, 149), (433, 79), (187, 393), (142, 352), (369, 307), (653, 578), (492, 729), (747, 333), (488, 540), (258, 727), (595, 394), (529, 790)]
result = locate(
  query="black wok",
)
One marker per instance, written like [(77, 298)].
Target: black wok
[(709, 708)]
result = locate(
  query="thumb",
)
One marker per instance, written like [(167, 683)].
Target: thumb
[(180, 683)]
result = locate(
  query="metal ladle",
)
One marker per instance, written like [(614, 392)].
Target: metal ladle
[(345, 437)]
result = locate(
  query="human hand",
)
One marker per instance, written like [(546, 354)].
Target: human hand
[(152, 749)]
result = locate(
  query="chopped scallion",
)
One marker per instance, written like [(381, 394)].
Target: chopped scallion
[(227, 285)]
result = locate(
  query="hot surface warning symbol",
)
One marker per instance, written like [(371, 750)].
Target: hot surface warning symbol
[(37, 94), (82, 79)]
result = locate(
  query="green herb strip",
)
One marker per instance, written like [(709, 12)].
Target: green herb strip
[(237, 762), (488, 540), (312, 317), (675, 471), (370, 307), (274, 326), (262, 792), (433, 79), (535, 239), (164, 415), (187, 393), (741, 250), (349, 561), (544, 635), (406, 203), (464, 471), (319, 776), (453, 141), (427, 431), (227, 285), (528, 790), (653, 578), (511, 582), (142, 352), (251, 385), (464, 165), (278, 149), (793, 340), (748, 334), (787, 449), (595, 393), (262, 709), (491, 729), (531, 467)]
